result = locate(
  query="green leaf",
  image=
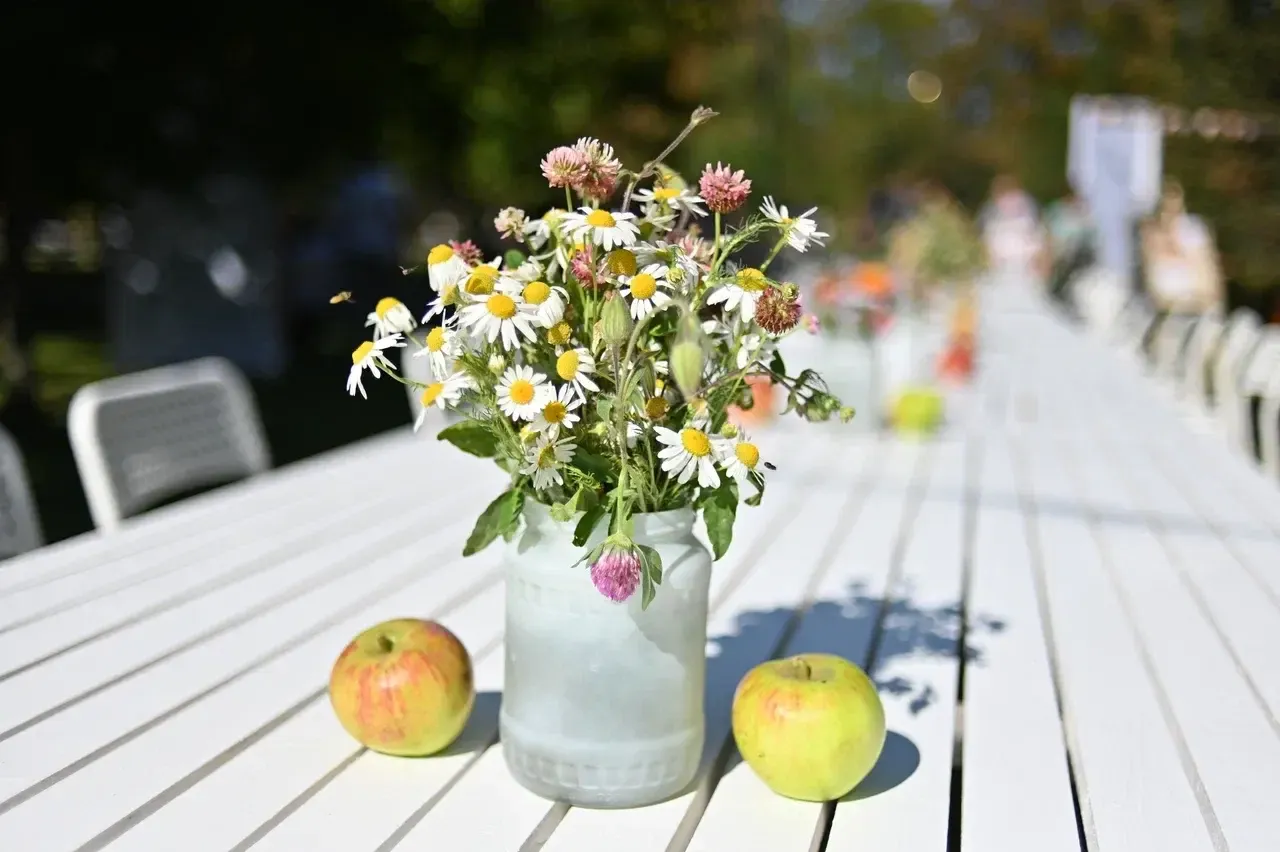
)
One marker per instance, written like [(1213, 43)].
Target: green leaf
[(590, 519), (471, 436), (604, 405), (758, 481), (777, 365), (719, 510), (565, 511), (589, 462), (650, 573), (500, 518)]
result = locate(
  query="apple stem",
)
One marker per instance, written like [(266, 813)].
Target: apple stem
[(801, 669)]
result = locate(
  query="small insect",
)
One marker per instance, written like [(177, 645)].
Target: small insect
[(344, 296), (770, 465)]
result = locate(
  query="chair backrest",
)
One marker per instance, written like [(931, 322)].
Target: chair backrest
[(1130, 327), (1238, 341), (19, 521), (1262, 363), (1171, 338), (1200, 348), (1269, 426), (143, 437)]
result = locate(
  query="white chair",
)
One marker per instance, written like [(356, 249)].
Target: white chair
[(1129, 330), (1238, 341), (1201, 346), (19, 521), (141, 438), (1269, 426), (1170, 341), (1255, 380)]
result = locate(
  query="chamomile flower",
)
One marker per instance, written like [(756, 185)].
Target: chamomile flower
[(661, 219), (737, 455), (498, 315), (741, 292), (679, 200), (528, 271), (576, 366), (538, 231), (634, 431), (544, 460), (444, 267), (752, 349), (448, 298), (482, 280), (522, 391), (544, 302), (686, 453), (601, 227), (441, 347), (801, 231), (371, 355), (645, 290), (442, 394), (558, 412), (562, 260), (389, 317)]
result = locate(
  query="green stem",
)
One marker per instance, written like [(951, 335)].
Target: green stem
[(782, 241), (568, 199)]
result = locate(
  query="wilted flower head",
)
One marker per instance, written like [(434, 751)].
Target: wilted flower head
[(603, 168), (468, 251), (616, 574), (778, 309), (723, 189), (564, 166), (510, 223)]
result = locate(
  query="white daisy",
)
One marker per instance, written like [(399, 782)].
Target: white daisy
[(482, 280), (538, 231), (448, 298), (562, 260), (526, 272), (522, 391), (687, 452), (662, 219), (634, 431), (737, 455), (544, 460), (602, 227), (558, 412), (682, 270), (544, 302), (680, 200), (441, 346), (389, 317), (371, 356), (801, 230), (498, 315), (442, 395), (576, 366), (741, 292), (444, 267), (752, 349), (644, 290)]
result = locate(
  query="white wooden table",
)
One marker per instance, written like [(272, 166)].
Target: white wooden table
[(1114, 579)]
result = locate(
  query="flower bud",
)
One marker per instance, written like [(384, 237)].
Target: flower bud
[(615, 321), (686, 367)]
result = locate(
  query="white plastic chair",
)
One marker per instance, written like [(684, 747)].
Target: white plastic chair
[(1262, 366), (1201, 346), (1269, 426), (1131, 326), (141, 438), (1170, 341), (1238, 341), (19, 520)]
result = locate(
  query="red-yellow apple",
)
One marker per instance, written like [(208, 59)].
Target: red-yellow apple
[(810, 726), (403, 687)]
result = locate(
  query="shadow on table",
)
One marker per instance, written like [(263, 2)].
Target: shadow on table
[(481, 727), (871, 630)]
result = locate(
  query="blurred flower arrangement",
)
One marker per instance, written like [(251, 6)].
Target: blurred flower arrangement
[(861, 300), (939, 245), (597, 364)]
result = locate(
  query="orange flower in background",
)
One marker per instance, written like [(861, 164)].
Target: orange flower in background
[(827, 290), (762, 409), (873, 279)]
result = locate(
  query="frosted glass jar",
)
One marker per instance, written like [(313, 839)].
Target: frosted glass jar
[(603, 703)]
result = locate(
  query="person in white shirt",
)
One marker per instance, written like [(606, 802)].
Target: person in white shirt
[(1182, 274)]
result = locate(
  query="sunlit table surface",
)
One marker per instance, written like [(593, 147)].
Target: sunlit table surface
[(1070, 603)]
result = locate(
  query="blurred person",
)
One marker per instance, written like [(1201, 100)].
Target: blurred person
[(1180, 260), (1010, 227), (1072, 241)]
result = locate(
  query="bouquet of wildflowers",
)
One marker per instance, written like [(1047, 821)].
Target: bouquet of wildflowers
[(595, 363), (940, 244)]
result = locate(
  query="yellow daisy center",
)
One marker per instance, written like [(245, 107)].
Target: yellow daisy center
[(752, 280), (695, 442), (521, 391), (547, 457), (643, 286), (431, 393), (621, 262), (439, 254), (554, 412), (501, 306), (655, 408), (435, 339), (579, 248), (748, 454), (567, 365), (665, 193), (560, 333), (386, 306), (536, 292), (362, 352), (601, 219), (480, 281)]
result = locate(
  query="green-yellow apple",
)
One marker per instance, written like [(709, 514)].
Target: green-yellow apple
[(404, 687), (811, 726), (918, 410)]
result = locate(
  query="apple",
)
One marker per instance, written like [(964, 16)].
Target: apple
[(403, 687), (811, 726), (917, 410)]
